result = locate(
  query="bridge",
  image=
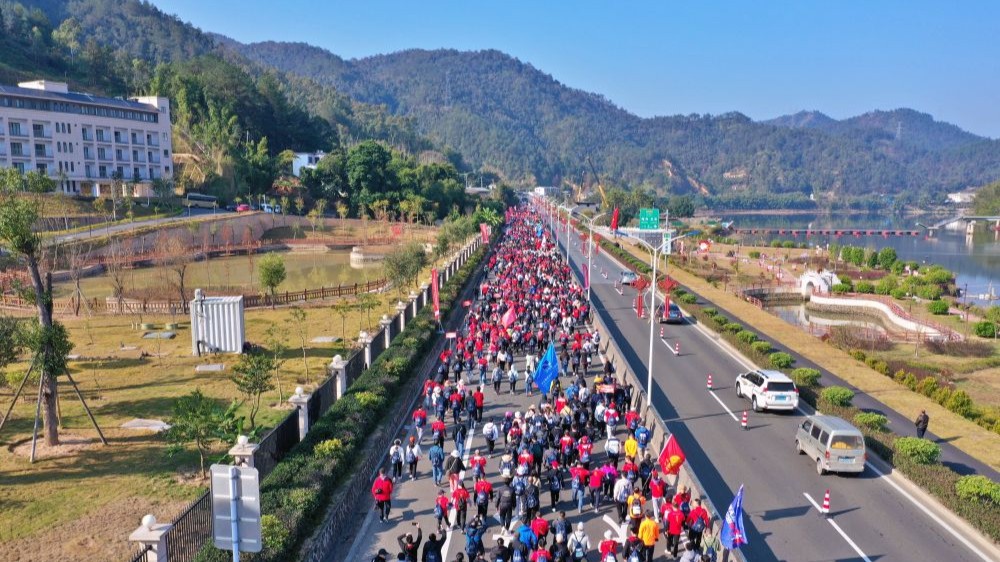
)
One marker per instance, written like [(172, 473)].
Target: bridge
[(968, 219), (807, 232)]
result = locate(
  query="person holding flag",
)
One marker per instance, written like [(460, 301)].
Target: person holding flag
[(732, 535), (547, 371)]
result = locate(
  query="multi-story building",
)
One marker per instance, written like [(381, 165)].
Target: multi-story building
[(87, 143)]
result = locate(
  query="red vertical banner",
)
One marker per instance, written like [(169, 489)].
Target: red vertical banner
[(484, 230), (639, 303), (586, 278), (666, 306), (435, 297)]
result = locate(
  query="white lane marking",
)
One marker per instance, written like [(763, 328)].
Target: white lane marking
[(453, 513), (618, 529), (968, 544), (838, 529), (723, 404)]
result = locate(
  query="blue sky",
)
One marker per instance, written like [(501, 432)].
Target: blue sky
[(758, 57)]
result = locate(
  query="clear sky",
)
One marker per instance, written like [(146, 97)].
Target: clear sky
[(762, 58)]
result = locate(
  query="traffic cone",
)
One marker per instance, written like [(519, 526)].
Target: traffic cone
[(826, 503), (661, 332), (677, 348), (710, 381), (743, 422)]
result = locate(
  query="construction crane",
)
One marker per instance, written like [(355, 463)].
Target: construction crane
[(600, 185)]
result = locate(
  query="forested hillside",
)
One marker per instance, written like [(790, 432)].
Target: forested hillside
[(506, 114)]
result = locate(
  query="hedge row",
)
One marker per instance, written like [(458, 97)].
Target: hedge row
[(294, 496)]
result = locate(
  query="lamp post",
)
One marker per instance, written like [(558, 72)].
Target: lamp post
[(569, 213), (590, 252)]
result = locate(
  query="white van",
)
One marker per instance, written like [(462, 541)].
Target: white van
[(835, 445), (269, 208)]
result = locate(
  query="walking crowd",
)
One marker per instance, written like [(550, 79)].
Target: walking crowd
[(582, 441)]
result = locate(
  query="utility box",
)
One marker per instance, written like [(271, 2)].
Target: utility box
[(217, 324)]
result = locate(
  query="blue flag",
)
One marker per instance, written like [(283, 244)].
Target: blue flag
[(547, 370), (732, 536)]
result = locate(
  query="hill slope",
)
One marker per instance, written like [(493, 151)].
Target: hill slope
[(506, 114)]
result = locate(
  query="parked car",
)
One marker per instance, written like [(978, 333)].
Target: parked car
[(767, 389), (835, 444), (629, 278), (672, 315), (243, 208)]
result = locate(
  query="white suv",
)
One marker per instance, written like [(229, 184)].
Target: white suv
[(766, 389)]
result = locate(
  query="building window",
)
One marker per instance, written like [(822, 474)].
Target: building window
[(43, 168), (19, 166)]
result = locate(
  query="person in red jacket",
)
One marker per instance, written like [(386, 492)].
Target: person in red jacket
[(540, 526), (419, 421), (578, 484), (675, 526), (697, 521), (441, 506), (584, 450), (484, 494), (657, 491), (439, 431), (480, 400), (632, 420), (382, 492), (477, 464), (460, 500), (596, 482), (608, 547)]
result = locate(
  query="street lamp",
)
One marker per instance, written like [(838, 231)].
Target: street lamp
[(590, 252), (656, 251), (569, 212)]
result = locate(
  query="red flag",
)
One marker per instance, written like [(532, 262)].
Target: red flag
[(639, 302), (614, 219), (508, 317), (434, 293), (671, 457), (484, 230)]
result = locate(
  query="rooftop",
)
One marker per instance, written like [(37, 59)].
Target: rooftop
[(59, 91)]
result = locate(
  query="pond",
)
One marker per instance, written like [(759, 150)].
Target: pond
[(304, 271), (818, 322)]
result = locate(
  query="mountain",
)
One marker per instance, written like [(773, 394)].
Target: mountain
[(505, 114)]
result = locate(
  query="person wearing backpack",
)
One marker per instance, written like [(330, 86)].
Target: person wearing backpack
[(622, 491), (474, 538), (484, 495), (419, 421), (519, 484), (541, 554), (505, 506), (396, 459), (613, 447), (453, 467), (561, 526), (595, 485), (436, 456), (432, 548), (649, 533), (460, 500), (532, 499), (554, 481), (497, 378), (439, 431), (410, 546), (697, 520), (578, 483), (512, 379), (507, 466), (526, 536), (608, 548), (411, 455), (690, 554), (491, 434), (501, 552), (441, 507), (460, 435), (579, 544), (470, 411), (632, 549), (382, 492), (675, 526), (636, 506)]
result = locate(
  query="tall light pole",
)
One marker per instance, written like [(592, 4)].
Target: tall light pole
[(569, 212), (590, 253)]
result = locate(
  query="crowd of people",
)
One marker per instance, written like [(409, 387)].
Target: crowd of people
[(582, 441)]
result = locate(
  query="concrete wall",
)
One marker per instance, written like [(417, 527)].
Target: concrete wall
[(871, 306)]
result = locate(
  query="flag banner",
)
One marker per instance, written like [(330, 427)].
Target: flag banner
[(732, 535), (435, 297), (639, 303), (671, 457), (605, 389), (508, 317), (484, 230), (586, 278), (666, 306), (614, 220), (547, 370)]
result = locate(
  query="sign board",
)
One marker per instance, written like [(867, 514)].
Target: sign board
[(451, 335), (247, 496), (649, 219)]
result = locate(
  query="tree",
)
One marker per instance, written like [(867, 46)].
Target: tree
[(276, 345), (252, 377), (887, 257), (367, 302), (176, 257), (342, 210), (343, 307), (201, 420), (50, 344), (68, 35), (403, 265), (271, 271), (297, 320)]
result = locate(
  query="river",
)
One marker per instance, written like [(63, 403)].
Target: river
[(975, 260)]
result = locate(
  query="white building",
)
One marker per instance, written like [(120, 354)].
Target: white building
[(306, 160), (85, 141)]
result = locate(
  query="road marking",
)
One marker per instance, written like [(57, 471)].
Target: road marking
[(618, 529), (928, 512), (453, 513), (838, 529), (723, 404)]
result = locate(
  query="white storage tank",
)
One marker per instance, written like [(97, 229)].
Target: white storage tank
[(217, 324)]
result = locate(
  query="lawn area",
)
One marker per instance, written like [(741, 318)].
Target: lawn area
[(90, 496), (964, 434)]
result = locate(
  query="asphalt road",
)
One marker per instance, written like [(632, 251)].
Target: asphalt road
[(871, 519), (99, 230)]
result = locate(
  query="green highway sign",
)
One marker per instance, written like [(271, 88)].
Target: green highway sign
[(649, 219)]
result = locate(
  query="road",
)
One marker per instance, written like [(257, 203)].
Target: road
[(99, 230), (871, 517)]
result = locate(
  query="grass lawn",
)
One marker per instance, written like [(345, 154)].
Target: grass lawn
[(964, 434), (93, 497)]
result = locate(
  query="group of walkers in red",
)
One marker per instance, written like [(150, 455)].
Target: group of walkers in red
[(578, 436)]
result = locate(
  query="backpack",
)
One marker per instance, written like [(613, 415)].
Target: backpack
[(642, 436), (542, 556), (421, 421), (532, 501), (634, 557), (554, 484), (517, 556), (623, 495), (437, 434), (685, 507), (411, 457), (645, 471), (506, 468), (635, 509), (585, 456), (438, 512), (519, 486), (576, 483), (633, 424), (396, 457), (437, 456), (698, 525), (482, 497), (614, 446)]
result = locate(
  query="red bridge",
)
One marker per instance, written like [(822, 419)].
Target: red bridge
[(794, 232)]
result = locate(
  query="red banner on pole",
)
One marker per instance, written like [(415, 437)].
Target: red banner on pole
[(484, 230), (614, 219), (671, 457), (586, 278), (434, 292)]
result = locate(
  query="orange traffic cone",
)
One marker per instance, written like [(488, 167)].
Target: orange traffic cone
[(826, 503), (743, 422), (661, 332), (677, 348), (710, 381)]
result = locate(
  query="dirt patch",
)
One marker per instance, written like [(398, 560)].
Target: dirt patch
[(69, 445), (86, 539)]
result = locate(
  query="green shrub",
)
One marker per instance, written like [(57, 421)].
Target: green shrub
[(937, 307), (910, 381), (840, 288), (788, 244), (746, 336), (858, 354), (838, 396), (754, 254), (942, 395), (733, 327), (781, 360), (688, 299), (775, 243), (761, 347), (871, 420), (938, 275), (329, 449), (866, 287), (805, 377), (720, 319), (899, 293), (961, 404), (920, 451), (975, 487), (929, 292), (927, 386), (878, 365), (709, 311), (273, 532), (985, 329)]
